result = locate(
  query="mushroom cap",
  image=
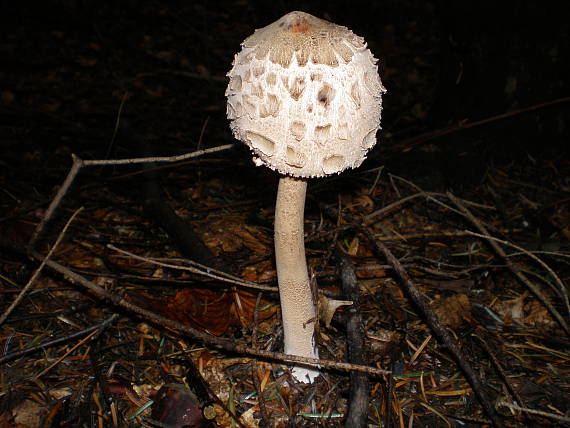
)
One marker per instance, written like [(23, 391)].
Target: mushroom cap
[(305, 96)]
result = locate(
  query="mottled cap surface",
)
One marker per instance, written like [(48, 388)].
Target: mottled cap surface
[(305, 96)]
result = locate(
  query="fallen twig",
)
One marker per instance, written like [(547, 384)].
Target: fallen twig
[(534, 412), (199, 270), (439, 331), (78, 163), (499, 367), (32, 280), (514, 268), (359, 388), (464, 125), (221, 343), (43, 346)]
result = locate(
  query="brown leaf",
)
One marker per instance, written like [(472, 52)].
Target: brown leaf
[(210, 310), (6, 420), (370, 273), (205, 309), (244, 307), (537, 315), (28, 414), (452, 311), (259, 272), (511, 310), (230, 234)]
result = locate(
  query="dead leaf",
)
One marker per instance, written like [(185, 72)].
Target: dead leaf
[(210, 310), (537, 315), (259, 272), (328, 307), (244, 307), (206, 309), (248, 418), (453, 311), (231, 234), (370, 273), (6, 420), (28, 414), (213, 369), (511, 310), (382, 341)]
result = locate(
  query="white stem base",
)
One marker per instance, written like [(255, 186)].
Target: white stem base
[(297, 307)]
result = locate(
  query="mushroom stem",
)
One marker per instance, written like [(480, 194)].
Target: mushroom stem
[(297, 307)]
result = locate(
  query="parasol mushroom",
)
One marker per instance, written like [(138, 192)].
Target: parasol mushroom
[(305, 96)]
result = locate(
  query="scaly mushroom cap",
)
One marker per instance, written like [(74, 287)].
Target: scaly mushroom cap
[(305, 96)]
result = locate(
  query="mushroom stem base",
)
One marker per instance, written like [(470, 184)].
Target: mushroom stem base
[(297, 307)]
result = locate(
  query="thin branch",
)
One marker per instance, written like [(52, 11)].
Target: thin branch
[(534, 412), (78, 163), (430, 196), (117, 123), (562, 291), (464, 125), (32, 280), (357, 414), (386, 209), (500, 370), (169, 159), (439, 331), (200, 270), (221, 343), (64, 356), (43, 346), (512, 267)]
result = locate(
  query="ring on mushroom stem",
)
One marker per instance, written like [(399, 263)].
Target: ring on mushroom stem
[(305, 96)]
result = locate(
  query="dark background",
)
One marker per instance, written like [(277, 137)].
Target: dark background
[(66, 66)]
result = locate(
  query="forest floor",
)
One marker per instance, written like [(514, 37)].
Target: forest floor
[(118, 319)]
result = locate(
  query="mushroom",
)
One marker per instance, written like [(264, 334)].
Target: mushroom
[(305, 96)]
